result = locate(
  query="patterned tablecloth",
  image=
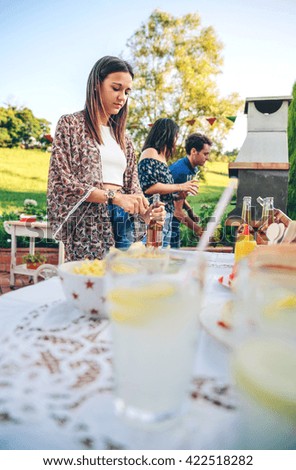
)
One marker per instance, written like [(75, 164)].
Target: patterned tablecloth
[(56, 379)]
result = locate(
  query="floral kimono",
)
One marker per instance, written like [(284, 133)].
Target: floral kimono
[(75, 171)]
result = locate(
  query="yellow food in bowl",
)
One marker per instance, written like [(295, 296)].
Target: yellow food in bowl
[(91, 268), (137, 251)]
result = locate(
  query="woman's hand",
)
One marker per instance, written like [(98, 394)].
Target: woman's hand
[(132, 203), (156, 214), (190, 187)]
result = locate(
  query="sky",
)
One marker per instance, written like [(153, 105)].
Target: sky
[(48, 48)]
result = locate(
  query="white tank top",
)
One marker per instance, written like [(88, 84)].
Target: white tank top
[(112, 157)]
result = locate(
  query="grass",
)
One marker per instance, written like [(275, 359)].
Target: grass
[(210, 190), (24, 175)]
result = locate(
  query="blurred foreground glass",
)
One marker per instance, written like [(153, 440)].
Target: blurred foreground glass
[(264, 361), (264, 370), (155, 325), (265, 294)]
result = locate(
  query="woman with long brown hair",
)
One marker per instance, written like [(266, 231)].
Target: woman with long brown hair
[(94, 197), (154, 174)]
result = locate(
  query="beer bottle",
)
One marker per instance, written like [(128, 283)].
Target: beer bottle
[(267, 218), (154, 229), (246, 217), (195, 178), (279, 216)]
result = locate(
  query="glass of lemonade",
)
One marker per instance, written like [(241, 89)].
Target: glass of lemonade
[(155, 326), (263, 369), (265, 302)]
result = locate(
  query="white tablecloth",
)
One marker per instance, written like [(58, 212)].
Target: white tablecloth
[(56, 378)]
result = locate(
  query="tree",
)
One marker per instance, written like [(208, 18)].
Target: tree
[(176, 64), (10, 127), (292, 156), (231, 154), (20, 126), (4, 137)]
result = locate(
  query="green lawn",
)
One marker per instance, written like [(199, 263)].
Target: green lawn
[(216, 179), (24, 175)]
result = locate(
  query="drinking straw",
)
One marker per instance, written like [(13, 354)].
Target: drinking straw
[(216, 217)]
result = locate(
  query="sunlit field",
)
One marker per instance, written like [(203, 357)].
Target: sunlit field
[(216, 178), (24, 175)]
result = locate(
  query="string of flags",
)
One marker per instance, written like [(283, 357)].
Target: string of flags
[(231, 118), (211, 120), (191, 122)]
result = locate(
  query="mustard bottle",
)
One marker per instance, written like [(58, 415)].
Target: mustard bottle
[(244, 245)]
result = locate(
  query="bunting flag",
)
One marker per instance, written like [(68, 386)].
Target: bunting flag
[(211, 120), (191, 122), (48, 138)]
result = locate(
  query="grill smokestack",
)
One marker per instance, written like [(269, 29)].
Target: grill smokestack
[(262, 165)]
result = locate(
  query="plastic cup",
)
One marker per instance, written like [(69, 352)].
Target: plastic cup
[(264, 370), (155, 326)]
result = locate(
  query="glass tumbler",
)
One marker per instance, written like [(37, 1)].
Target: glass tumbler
[(155, 325)]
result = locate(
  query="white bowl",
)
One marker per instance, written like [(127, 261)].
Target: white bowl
[(85, 292)]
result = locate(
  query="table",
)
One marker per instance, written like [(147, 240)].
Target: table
[(33, 230), (56, 378)]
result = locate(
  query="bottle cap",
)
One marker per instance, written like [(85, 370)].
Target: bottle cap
[(246, 230)]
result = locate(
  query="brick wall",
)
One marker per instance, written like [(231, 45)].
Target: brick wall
[(50, 253)]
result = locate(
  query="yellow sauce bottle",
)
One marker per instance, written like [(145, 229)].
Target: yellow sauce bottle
[(245, 244)]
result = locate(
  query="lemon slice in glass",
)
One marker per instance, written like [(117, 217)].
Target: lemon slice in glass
[(281, 315), (135, 303), (285, 303), (265, 369)]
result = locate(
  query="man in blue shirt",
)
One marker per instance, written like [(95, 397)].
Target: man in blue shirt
[(197, 148)]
